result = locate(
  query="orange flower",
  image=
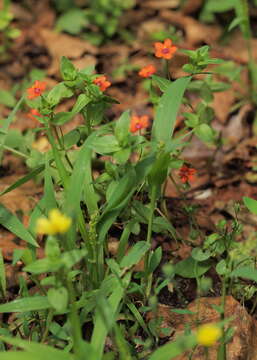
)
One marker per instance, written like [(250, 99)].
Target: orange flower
[(36, 89), (32, 113), (165, 50), (102, 82), (138, 123), (147, 71), (186, 174)]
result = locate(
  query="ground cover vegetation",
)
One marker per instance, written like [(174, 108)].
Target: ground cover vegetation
[(128, 165)]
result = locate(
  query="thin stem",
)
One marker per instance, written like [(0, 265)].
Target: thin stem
[(58, 161), (222, 349), (16, 152), (148, 277), (166, 70), (74, 321), (48, 323)]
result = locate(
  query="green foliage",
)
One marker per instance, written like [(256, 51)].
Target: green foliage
[(102, 14), (108, 179), (8, 33)]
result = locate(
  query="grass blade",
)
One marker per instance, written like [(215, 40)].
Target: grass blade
[(167, 110), (26, 304), (13, 224)]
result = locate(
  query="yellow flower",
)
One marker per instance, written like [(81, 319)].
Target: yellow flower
[(56, 223), (208, 334)]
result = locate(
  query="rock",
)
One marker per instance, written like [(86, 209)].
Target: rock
[(243, 344), (241, 347)]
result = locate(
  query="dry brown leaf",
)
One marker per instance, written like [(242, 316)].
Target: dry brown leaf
[(22, 198), (195, 32), (60, 45), (237, 49), (191, 6), (161, 4), (222, 104)]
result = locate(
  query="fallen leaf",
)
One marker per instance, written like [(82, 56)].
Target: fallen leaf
[(60, 45)]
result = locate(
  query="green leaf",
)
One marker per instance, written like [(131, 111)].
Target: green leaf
[(167, 110), (81, 179), (43, 265), (70, 258), (171, 350), (246, 272), (72, 21), (58, 298), (251, 204), (62, 117), (2, 274), (135, 254), (221, 267), (20, 355), (161, 82), (71, 138), (109, 309), (49, 194), (159, 170), (106, 144), (7, 99), (5, 127), (57, 93), (38, 351), (121, 130), (68, 70), (189, 268), (183, 311), (155, 259), (199, 255), (13, 224), (26, 304), (24, 179), (205, 133), (81, 102)]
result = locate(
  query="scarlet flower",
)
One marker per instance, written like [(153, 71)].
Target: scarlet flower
[(36, 89), (138, 123), (186, 174), (102, 82), (165, 50), (32, 113), (147, 71)]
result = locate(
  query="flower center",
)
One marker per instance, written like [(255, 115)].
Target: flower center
[(165, 51), (37, 90), (138, 126)]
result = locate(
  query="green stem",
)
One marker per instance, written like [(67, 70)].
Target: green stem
[(16, 152), (166, 70), (248, 35), (48, 323), (58, 161), (222, 349), (74, 321), (148, 277)]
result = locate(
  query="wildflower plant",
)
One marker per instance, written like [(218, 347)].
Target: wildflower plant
[(79, 279), (7, 32)]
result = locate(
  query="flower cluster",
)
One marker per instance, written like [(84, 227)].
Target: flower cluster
[(36, 89), (33, 113), (208, 334), (165, 50), (102, 82), (138, 123), (147, 71), (186, 174), (57, 223)]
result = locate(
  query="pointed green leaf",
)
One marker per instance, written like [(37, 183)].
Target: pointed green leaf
[(13, 224)]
